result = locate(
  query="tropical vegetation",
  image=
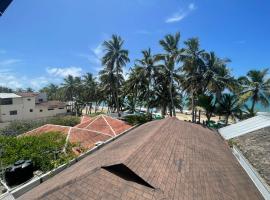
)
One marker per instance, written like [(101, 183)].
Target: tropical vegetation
[(182, 75), (45, 150)]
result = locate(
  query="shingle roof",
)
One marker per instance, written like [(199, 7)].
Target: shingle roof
[(166, 159)]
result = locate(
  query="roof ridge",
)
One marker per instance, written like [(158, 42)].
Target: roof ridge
[(84, 129), (94, 119), (109, 125)]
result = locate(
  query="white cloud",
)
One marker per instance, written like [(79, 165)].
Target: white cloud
[(9, 80), (176, 17), (8, 62), (94, 57), (64, 72)]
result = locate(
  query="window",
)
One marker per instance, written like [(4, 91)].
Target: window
[(31, 110), (13, 112), (40, 100), (60, 108), (7, 101), (28, 99), (40, 110), (50, 108)]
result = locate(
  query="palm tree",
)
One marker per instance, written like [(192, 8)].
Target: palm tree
[(193, 68), (229, 106), (217, 76), (146, 67), (255, 87), (115, 59), (90, 89), (72, 88), (208, 103), (135, 87), (171, 57)]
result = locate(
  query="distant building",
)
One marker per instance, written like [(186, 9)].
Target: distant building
[(27, 106)]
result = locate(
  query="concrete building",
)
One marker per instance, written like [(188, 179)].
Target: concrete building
[(27, 106)]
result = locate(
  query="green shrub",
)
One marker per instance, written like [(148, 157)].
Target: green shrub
[(44, 150), (19, 127), (137, 119), (95, 114), (64, 121)]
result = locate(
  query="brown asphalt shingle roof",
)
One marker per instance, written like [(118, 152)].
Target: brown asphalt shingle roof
[(166, 159)]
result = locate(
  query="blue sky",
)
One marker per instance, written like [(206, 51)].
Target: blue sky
[(43, 41)]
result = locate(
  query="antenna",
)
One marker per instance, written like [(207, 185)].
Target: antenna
[(3, 6)]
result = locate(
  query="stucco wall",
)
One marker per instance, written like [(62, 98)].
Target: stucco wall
[(23, 106)]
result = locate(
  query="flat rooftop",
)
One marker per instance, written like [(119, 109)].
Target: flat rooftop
[(8, 95), (255, 146)]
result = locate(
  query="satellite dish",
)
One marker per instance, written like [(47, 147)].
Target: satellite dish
[(3, 5)]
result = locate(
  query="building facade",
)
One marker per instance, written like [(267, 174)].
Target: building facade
[(28, 106)]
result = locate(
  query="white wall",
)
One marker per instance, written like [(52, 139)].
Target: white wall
[(5, 110), (23, 106)]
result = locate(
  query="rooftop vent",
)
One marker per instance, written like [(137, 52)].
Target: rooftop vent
[(127, 174)]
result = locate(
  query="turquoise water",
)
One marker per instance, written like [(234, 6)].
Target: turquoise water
[(259, 107)]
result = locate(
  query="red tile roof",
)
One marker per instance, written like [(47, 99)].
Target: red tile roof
[(166, 159), (96, 130), (85, 118), (53, 104)]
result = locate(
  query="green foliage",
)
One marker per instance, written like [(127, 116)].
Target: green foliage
[(44, 150), (20, 127), (64, 121), (95, 114), (137, 119), (231, 143)]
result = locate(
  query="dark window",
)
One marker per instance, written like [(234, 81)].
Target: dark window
[(50, 108), (28, 99), (31, 110), (8, 101), (60, 108), (40, 110), (13, 112), (40, 100)]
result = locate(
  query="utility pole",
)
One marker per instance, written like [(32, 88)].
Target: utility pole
[(3, 6)]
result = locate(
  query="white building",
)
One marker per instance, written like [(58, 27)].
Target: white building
[(27, 106)]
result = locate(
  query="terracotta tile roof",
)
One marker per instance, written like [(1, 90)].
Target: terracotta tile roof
[(98, 130), (166, 159), (48, 128), (86, 138), (85, 118), (105, 124), (52, 104)]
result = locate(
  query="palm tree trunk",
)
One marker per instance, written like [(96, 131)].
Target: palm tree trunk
[(226, 119), (192, 104), (117, 88), (253, 106), (171, 96), (148, 97)]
